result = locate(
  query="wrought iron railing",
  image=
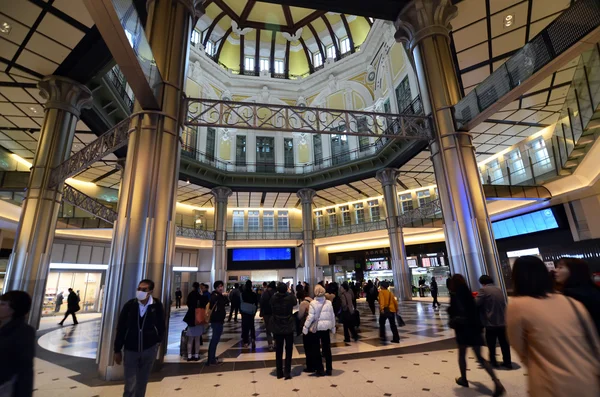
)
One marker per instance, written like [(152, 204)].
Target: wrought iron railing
[(264, 235), (195, 233), (421, 216), (87, 203), (350, 229), (569, 28), (110, 141), (269, 117)]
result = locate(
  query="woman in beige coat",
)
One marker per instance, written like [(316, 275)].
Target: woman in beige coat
[(553, 335)]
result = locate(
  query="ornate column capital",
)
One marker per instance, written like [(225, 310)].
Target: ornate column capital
[(423, 18), (306, 195), (221, 193), (387, 176), (64, 93)]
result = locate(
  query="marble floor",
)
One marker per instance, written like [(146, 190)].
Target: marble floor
[(423, 364)]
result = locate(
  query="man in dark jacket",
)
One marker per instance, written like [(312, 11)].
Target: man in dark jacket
[(491, 302), (234, 298), (266, 311), (72, 307), (178, 295), (140, 330), (283, 326), (217, 318)]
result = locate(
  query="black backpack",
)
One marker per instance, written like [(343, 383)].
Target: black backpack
[(337, 305)]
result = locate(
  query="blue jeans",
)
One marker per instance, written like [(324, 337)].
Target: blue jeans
[(217, 331)]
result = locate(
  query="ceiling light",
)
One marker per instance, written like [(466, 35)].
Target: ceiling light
[(34, 110), (509, 20), (5, 28)]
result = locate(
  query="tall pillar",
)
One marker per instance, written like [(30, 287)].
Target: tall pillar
[(218, 268), (308, 243), (424, 25), (29, 262), (402, 285), (144, 234)]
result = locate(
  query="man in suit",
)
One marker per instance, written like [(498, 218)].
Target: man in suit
[(72, 307), (178, 298)]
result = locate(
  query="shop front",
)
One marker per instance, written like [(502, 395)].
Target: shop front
[(87, 281), (426, 267)]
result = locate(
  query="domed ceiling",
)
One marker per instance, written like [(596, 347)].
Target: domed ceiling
[(287, 41)]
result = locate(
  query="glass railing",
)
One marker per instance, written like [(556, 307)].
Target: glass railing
[(577, 21)]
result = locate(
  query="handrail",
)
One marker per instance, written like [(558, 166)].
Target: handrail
[(350, 229)]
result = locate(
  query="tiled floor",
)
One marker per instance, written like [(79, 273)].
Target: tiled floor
[(423, 364)]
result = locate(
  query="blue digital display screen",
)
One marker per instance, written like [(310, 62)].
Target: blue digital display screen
[(261, 254), (524, 224)]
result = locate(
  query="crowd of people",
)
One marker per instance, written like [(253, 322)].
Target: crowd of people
[(552, 322)]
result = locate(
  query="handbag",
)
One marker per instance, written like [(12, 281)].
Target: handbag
[(400, 320), (200, 316)]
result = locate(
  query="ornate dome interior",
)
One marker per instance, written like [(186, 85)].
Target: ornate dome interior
[(248, 37)]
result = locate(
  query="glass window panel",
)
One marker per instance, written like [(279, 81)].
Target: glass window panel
[(317, 59), (210, 143), (403, 95), (288, 152), (283, 221), (238, 221)]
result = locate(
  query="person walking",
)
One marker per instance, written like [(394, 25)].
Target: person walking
[(574, 280), (217, 319), (466, 322), (283, 325), (178, 295), (59, 301), (319, 323), (248, 308), (234, 298), (388, 307), (72, 307), (195, 300), (17, 345), (433, 287), (140, 331), (552, 334), (371, 295), (266, 311), (346, 317), (421, 287), (490, 300)]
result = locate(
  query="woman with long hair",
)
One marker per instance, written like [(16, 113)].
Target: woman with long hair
[(466, 321), (195, 300), (574, 279), (553, 335)]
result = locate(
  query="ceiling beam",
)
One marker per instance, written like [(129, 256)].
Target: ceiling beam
[(349, 33), (308, 54), (225, 36), (319, 44), (212, 27), (109, 173), (308, 19), (230, 13), (247, 10), (17, 84), (338, 54), (523, 123), (257, 53), (242, 55), (272, 57), (288, 16), (287, 59)]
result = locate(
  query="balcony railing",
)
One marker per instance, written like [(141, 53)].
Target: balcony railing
[(117, 79), (195, 233), (265, 235), (350, 229), (429, 214)]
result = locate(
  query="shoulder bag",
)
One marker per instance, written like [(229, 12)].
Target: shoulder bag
[(199, 314), (247, 307), (314, 326)]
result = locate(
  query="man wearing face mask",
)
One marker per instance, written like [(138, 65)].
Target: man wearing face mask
[(140, 331)]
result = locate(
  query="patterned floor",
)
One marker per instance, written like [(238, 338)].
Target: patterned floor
[(423, 325)]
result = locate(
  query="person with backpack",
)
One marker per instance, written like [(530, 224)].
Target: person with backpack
[(319, 323), (140, 331), (347, 314), (283, 324), (234, 298), (266, 311), (216, 314), (308, 341), (72, 307), (195, 300), (387, 308), (248, 308)]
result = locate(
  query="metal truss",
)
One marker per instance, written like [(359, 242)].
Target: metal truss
[(195, 233), (431, 210), (268, 117), (88, 204), (107, 143)]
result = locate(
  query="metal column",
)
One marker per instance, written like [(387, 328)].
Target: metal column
[(402, 285), (218, 268), (144, 233), (424, 25), (30, 260), (308, 246)]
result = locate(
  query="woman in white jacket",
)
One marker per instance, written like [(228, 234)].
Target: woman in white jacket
[(318, 324)]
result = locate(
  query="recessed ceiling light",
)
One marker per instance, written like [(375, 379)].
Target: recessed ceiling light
[(509, 20), (34, 110), (5, 27)]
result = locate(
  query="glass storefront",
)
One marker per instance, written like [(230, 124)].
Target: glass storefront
[(87, 285)]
